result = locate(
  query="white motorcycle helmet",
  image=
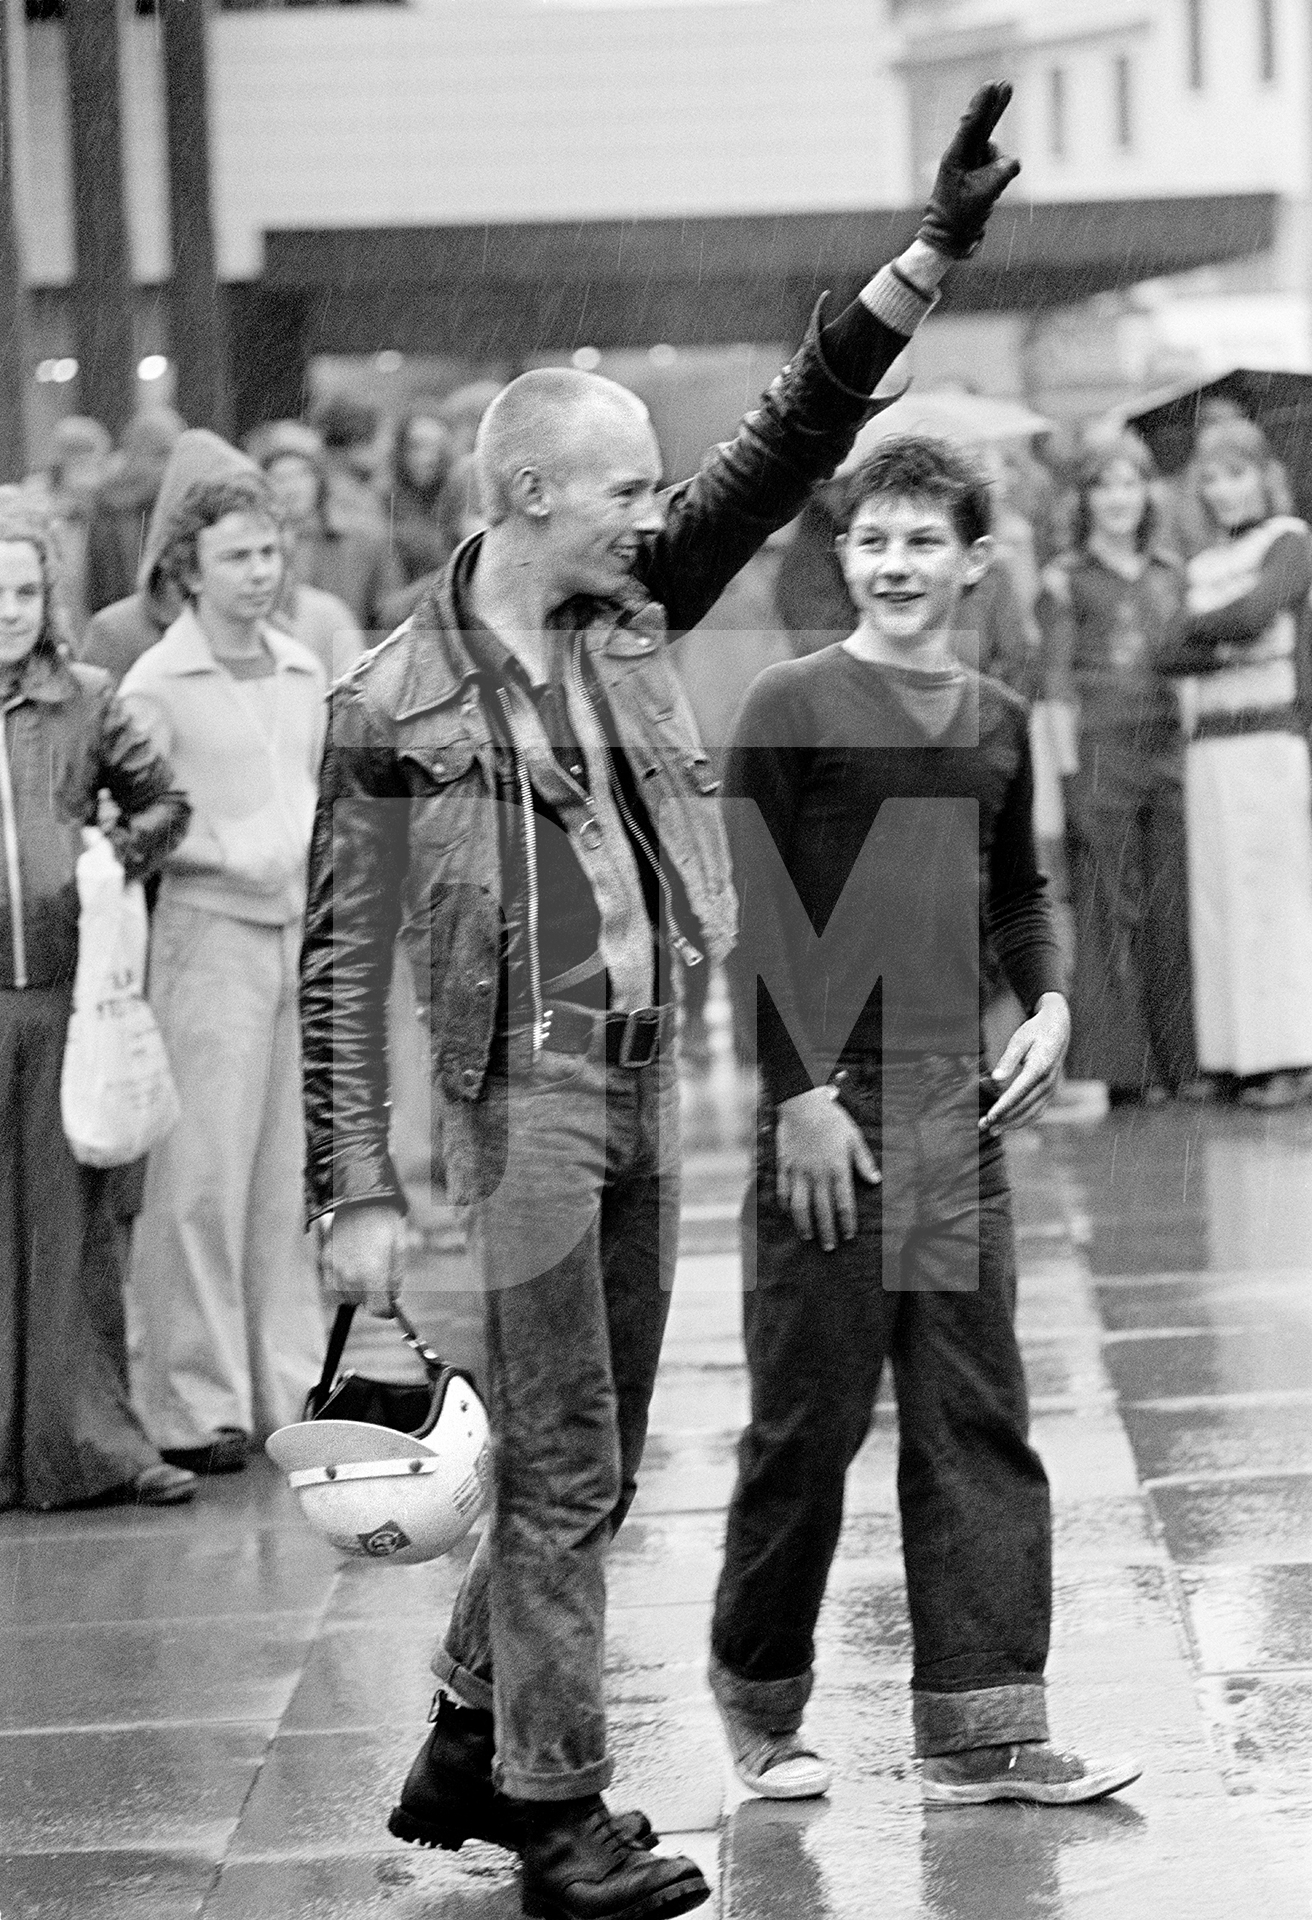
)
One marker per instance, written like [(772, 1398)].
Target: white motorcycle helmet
[(377, 1494)]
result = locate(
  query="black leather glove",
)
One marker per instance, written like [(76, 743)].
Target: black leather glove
[(971, 175)]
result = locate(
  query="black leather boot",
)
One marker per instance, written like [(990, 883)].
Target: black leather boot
[(449, 1797), (579, 1864)]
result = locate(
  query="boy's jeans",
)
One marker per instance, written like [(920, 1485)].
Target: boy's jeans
[(570, 1170), (976, 1529)]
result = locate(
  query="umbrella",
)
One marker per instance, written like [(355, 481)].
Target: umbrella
[(1280, 403), (948, 414)]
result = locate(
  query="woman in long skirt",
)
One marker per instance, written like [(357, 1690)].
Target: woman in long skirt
[(1105, 610), (1248, 782)]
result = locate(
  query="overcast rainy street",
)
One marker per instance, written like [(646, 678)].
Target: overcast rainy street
[(572, 565), (208, 1713)]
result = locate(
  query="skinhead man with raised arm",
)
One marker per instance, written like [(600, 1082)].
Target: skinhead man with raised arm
[(514, 781)]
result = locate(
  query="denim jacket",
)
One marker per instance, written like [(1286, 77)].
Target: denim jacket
[(405, 836)]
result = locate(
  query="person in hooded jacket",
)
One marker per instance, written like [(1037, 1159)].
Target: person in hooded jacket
[(67, 1429), (121, 512)]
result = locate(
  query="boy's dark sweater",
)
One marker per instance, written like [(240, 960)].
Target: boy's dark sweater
[(821, 744)]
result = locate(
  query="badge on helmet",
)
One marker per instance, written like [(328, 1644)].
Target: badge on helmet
[(377, 1494)]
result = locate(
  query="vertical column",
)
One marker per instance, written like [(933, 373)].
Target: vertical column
[(198, 331), (102, 287), (15, 371)]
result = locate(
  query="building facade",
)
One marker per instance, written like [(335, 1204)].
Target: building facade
[(495, 180)]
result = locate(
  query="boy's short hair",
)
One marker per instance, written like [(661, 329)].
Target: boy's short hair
[(916, 466), (203, 505)]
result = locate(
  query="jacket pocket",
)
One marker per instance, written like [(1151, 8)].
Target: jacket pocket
[(447, 792)]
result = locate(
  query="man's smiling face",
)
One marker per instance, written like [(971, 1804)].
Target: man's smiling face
[(604, 494), (906, 566)]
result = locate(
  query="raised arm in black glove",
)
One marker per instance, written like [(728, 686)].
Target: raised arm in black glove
[(971, 176)]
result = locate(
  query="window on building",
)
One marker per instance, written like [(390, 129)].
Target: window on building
[(1193, 28), (1266, 39), (57, 9), (1057, 112), (277, 6), (1123, 95)]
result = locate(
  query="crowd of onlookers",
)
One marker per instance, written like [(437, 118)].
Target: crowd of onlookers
[(171, 612)]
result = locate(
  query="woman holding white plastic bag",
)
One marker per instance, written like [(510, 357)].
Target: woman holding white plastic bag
[(67, 1430)]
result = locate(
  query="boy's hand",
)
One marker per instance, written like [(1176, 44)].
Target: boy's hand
[(1033, 1056), (816, 1147), (971, 176)]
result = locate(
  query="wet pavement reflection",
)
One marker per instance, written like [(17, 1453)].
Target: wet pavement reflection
[(1198, 1228), (203, 1713)]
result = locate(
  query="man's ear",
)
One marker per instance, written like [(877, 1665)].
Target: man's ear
[(528, 494), (979, 557)]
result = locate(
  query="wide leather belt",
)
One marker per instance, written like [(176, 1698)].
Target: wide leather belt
[(632, 1039)]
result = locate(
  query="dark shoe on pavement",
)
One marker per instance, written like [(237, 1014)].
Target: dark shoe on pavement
[(163, 1486), (1029, 1770), (449, 1797), (224, 1452), (580, 1865)]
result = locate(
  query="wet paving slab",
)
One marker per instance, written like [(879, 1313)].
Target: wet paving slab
[(175, 1789), (158, 1671), (113, 1884), (1230, 1433), (1247, 1619)]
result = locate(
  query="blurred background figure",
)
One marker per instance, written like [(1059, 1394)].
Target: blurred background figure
[(80, 455), (1105, 608), (67, 1430), (739, 638), (121, 510), (333, 549), (462, 412), (463, 517), (1248, 785), (350, 434), (422, 518)]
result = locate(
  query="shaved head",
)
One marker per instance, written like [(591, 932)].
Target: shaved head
[(549, 421)]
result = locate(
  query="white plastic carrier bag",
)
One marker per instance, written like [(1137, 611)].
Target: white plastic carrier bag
[(116, 1093)]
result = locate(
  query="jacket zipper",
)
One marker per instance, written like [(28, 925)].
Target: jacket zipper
[(531, 861), (11, 855), (687, 952)]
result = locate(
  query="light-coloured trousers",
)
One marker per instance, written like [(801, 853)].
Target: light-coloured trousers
[(228, 1327)]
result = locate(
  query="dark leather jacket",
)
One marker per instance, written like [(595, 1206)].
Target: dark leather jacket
[(66, 736), (406, 838)]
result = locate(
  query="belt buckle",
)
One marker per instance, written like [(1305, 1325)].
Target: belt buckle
[(643, 1025)]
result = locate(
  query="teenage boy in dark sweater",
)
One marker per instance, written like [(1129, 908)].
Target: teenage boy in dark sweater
[(878, 796)]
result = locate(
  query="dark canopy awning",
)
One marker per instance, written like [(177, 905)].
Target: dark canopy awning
[(702, 281)]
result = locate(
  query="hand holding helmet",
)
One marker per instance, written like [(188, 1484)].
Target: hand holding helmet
[(363, 1257), (374, 1492)]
